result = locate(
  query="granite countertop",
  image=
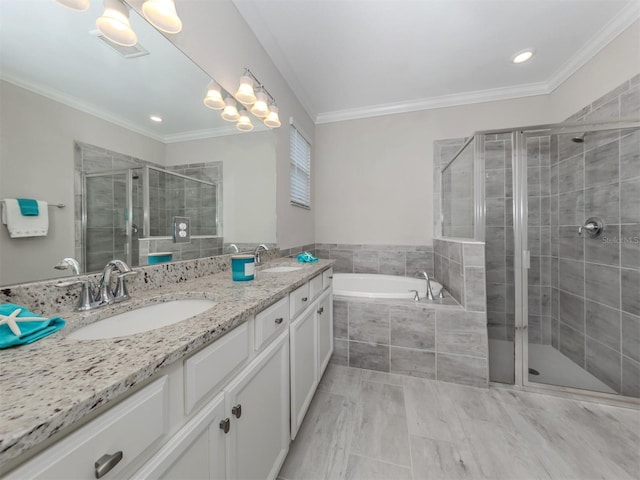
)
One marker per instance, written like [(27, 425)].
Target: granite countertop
[(51, 384)]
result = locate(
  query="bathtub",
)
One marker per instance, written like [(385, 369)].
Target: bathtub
[(371, 285)]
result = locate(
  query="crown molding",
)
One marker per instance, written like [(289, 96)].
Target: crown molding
[(77, 104), (627, 16), (443, 101)]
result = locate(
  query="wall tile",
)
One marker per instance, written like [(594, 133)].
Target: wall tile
[(630, 155), (494, 183), (474, 286), (418, 262), (412, 327), (571, 208), (461, 369), (631, 336), (571, 344), (571, 174), (392, 263), (630, 103), (369, 356), (369, 322), (365, 261), (603, 202), (344, 260), (602, 284), (572, 310), (604, 363), (571, 276), (630, 291), (474, 255), (630, 377), (417, 363), (630, 199), (461, 333), (340, 354), (603, 324), (604, 249), (602, 165), (630, 246), (340, 318)]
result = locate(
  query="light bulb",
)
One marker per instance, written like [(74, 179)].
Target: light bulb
[(230, 112), (272, 120), (244, 123), (213, 99), (522, 56), (162, 15), (260, 109), (114, 24), (245, 93), (77, 5)]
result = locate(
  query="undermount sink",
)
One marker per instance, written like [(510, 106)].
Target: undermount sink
[(281, 269), (142, 319)]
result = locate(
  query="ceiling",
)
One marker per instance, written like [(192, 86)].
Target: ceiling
[(347, 59)]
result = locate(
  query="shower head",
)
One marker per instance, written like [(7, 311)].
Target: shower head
[(579, 138)]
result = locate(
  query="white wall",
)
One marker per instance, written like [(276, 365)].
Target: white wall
[(373, 177), (36, 161), (218, 39), (249, 181)]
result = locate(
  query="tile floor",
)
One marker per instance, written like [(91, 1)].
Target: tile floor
[(378, 426)]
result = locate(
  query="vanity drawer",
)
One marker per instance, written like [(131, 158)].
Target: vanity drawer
[(315, 286), (206, 370), (271, 320), (299, 299), (132, 427), (327, 278)]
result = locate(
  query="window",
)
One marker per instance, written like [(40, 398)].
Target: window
[(300, 180)]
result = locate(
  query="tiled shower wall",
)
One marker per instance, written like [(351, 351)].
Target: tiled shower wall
[(596, 294)]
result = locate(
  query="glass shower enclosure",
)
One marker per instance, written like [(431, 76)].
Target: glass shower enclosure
[(119, 208), (558, 208)]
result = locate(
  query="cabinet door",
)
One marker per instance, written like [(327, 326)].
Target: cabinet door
[(304, 365), (257, 402), (196, 452), (325, 331)]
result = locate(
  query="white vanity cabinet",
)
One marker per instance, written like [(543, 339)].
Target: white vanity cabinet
[(311, 345)]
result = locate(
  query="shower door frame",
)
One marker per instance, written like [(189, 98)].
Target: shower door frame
[(521, 252)]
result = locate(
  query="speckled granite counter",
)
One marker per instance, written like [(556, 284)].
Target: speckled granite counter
[(50, 385)]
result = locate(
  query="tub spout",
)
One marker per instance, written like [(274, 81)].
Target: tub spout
[(425, 275)]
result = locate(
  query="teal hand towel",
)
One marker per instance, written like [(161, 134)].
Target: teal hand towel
[(306, 257), (28, 207), (30, 331)]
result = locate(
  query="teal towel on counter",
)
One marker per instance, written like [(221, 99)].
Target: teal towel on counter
[(306, 257), (28, 207), (30, 331)]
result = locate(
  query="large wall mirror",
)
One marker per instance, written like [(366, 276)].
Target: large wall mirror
[(75, 130)]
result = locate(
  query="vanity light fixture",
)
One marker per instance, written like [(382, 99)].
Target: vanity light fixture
[(244, 123), (522, 56), (77, 5), (245, 94), (156, 118), (213, 99), (230, 112), (260, 108), (162, 15), (114, 24), (272, 120)]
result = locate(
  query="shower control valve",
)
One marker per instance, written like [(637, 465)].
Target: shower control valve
[(594, 226)]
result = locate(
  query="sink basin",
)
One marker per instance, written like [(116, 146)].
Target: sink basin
[(142, 319), (281, 269)]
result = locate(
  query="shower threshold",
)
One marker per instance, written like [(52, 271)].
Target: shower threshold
[(554, 368)]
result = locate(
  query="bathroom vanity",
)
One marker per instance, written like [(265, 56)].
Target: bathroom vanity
[(216, 396)]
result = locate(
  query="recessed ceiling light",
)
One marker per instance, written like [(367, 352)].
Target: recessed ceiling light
[(156, 118), (522, 56)]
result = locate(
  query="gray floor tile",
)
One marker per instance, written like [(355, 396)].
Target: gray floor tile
[(363, 468)]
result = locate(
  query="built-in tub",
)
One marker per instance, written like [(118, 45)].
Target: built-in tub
[(369, 285)]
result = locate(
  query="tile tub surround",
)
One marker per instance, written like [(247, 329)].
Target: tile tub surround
[(423, 339), (51, 384), (402, 260), (596, 281)]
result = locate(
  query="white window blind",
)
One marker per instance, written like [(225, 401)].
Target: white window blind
[(300, 180)]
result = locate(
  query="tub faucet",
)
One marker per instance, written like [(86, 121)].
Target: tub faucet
[(233, 247), (259, 249), (425, 275)]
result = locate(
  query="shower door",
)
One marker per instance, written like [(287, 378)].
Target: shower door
[(111, 202), (576, 218)]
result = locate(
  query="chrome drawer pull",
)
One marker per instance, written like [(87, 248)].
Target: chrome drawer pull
[(279, 320), (237, 411), (106, 462)]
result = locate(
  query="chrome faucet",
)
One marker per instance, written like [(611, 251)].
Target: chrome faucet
[(105, 293), (426, 277), (69, 262), (233, 247), (259, 249)]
